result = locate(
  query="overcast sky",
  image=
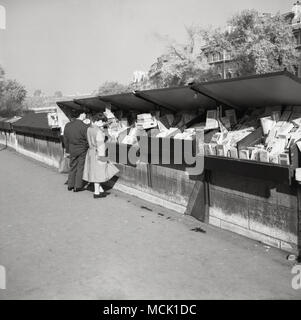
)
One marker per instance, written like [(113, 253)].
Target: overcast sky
[(74, 46)]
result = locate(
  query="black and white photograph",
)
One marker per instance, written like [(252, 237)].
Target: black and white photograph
[(150, 151)]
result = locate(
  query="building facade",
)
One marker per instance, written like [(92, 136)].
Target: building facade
[(295, 20)]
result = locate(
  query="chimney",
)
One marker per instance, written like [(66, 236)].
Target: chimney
[(296, 10), (2, 18)]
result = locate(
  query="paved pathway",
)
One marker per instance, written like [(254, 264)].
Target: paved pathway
[(57, 244)]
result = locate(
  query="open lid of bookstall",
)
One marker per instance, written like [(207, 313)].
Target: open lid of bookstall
[(92, 103), (123, 101), (169, 99), (35, 123), (271, 89), (67, 106), (129, 101), (177, 98), (70, 105)]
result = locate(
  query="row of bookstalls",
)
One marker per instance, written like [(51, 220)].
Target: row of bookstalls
[(32, 136), (225, 152)]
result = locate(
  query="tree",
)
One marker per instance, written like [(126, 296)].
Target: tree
[(112, 87), (37, 93), (2, 73), (2, 77), (11, 99), (34, 102), (257, 43), (181, 63), (58, 94)]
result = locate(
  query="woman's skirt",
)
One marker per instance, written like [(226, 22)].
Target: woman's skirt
[(96, 170)]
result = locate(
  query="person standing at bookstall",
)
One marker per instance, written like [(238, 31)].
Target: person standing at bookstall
[(97, 167), (76, 144)]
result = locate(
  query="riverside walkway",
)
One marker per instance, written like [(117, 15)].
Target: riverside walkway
[(56, 244)]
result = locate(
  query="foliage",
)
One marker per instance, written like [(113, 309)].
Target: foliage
[(12, 96), (2, 73), (58, 94), (112, 87), (257, 43), (37, 93), (181, 63), (253, 43)]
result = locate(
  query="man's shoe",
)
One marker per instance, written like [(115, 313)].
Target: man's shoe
[(78, 189), (101, 195), (70, 188)]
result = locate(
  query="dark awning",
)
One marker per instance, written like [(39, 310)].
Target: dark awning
[(272, 89), (33, 120), (278, 88), (35, 123), (178, 98), (92, 103), (70, 105), (128, 101)]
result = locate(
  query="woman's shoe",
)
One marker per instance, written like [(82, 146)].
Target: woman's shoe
[(70, 188), (101, 195), (78, 189)]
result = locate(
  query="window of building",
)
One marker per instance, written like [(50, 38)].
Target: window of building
[(229, 75), (298, 37)]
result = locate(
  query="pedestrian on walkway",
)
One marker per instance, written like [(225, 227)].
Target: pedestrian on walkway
[(97, 167), (76, 144)]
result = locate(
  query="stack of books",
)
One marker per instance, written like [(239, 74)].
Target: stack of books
[(146, 121)]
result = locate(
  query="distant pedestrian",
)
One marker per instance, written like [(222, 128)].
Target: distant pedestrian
[(97, 167), (76, 144)]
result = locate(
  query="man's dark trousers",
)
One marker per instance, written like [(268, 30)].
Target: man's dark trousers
[(77, 164), (75, 138)]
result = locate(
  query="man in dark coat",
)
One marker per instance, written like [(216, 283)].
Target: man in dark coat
[(76, 144)]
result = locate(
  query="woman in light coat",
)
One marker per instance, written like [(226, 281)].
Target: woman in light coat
[(97, 168)]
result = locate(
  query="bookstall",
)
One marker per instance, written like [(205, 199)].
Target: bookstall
[(37, 139), (251, 128), (245, 133)]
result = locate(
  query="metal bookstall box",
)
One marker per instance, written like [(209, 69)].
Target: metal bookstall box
[(37, 139)]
